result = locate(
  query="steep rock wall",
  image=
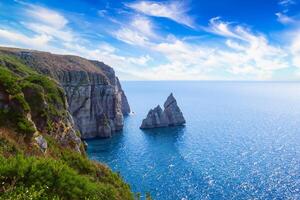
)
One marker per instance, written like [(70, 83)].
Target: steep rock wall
[(95, 97)]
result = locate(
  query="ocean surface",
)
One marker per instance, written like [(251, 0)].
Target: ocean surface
[(241, 141)]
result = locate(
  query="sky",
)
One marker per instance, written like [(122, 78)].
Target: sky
[(164, 40)]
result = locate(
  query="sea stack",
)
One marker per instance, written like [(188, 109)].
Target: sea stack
[(170, 116)]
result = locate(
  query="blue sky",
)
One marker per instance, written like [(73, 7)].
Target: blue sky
[(164, 40)]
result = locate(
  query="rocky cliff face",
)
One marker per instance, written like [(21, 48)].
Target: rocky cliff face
[(96, 100), (170, 116), (35, 106), (38, 135)]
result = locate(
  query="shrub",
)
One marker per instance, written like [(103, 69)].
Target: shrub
[(25, 126), (9, 81), (51, 178), (22, 193), (54, 94), (15, 65)]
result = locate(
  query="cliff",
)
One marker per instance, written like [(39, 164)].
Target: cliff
[(41, 153), (95, 98), (170, 116)]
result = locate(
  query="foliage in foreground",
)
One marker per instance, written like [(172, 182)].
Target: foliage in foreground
[(59, 173), (44, 178)]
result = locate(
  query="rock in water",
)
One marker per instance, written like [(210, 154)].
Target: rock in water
[(173, 112), (171, 116), (155, 118)]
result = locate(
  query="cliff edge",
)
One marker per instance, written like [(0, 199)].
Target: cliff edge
[(41, 153), (94, 94)]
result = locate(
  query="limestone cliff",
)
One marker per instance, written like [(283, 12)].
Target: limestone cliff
[(41, 153), (170, 116), (95, 98)]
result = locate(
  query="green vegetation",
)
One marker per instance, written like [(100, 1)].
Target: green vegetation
[(47, 178), (31, 93), (16, 113), (36, 104)]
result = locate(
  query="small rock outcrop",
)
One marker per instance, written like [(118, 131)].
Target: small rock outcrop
[(42, 143), (170, 116)]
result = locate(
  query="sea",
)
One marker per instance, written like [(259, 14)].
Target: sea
[(241, 141)]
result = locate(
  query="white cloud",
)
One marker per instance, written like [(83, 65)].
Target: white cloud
[(47, 16), (45, 21), (62, 33), (143, 60), (174, 10), (131, 37), (102, 13), (286, 2), (13, 37), (284, 19), (244, 55), (139, 31), (240, 53), (220, 28), (51, 33), (295, 48), (253, 48), (143, 25)]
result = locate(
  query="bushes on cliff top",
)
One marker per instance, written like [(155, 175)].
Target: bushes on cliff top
[(82, 165), (18, 107), (48, 179), (54, 95), (29, 92), (45, 176), (15, 65), (9, 81)]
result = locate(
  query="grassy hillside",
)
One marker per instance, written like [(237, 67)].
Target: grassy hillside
[(40, 156)]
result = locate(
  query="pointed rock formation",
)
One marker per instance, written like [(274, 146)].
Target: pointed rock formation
[(155, 118), (173, 112), (171, 116)]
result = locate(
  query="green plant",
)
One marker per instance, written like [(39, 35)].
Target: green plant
[(52, 179)]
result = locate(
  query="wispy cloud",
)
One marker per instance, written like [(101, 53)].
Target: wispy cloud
[(231, 51), (284, 19), (46, 16), (243, 54), (285, 4), (174, 10), (51, 32), (14, 37), (131, 37), (48, 22), (138, 31), (143, 25), (294, 47)]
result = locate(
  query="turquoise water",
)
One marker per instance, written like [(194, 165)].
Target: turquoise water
[(241, 141)]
